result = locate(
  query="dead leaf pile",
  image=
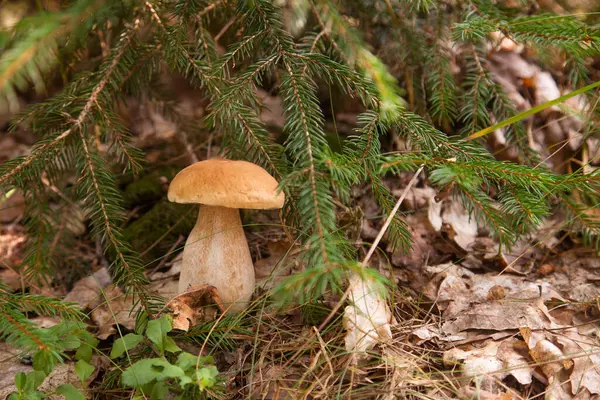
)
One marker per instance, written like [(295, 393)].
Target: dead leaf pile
[(495, 326)]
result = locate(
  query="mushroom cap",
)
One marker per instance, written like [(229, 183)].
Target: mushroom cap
[(226, 183)]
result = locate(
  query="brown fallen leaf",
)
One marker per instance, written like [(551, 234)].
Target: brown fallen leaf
[(190, 307), (86, 291), (10, 278), (281, 262), (496, 316), (505, 43), (417, 198), (166, 284), (490, 364), (274, 382), (272, 113), (10, 365), (111, 309), (9, 147), (452, 213), (12, 245), (427, 247), (586, 358)]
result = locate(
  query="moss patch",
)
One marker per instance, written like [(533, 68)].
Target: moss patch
[(149, 188)]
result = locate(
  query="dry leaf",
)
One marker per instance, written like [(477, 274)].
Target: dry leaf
[(367, 319), (506, 44), (281, 262), (546, 90), (452, 212), (111, 309), (86, 291), (272, 112), (586, 357), (492, 363), (166, 284), (190, 307), (427, 247), (12, 245), (496, 316), (275, 383), (417, 198), (10, 278), (10, 365)]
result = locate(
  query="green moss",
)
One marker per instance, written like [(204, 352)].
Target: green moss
[(164, 218), (148, 188)]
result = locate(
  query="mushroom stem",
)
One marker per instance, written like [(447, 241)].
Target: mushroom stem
[(216, 253)]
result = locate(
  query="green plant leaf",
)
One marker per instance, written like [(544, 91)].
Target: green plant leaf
[(159, 391), (125, 343), (20, 380), (207, 377), (145, 371), (186, 360), (171, 346), (70, 392), (83, 370), (70, 342), (33, 380), (157, 331), (85, 351), (43, 361)]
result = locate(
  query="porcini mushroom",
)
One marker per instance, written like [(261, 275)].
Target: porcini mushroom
[(216, 252)]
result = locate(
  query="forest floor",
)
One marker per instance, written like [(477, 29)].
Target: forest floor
[(472, 320)]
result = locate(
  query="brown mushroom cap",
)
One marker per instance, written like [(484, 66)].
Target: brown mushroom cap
[(226, 183)]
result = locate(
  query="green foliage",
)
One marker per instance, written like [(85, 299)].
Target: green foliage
[(393, 59), (27, 385), (70, 392), (174, 370), (52, 345), (125, 343), (46, 344)]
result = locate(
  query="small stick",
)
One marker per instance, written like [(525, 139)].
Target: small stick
[(388, 221)]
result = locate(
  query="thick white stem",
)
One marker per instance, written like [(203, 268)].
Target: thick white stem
[(216, 253)]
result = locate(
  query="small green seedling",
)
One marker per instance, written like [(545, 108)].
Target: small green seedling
[(174, 370), (68, 336)]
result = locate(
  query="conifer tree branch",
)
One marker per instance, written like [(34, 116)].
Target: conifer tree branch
[(40, 43), (77, 124), (310, 161), (24, 328), (134, 275)]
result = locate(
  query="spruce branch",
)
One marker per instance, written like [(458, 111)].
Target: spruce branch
[(43, 149), (16, 329), (32, 52), (440, 81), (305, 123)]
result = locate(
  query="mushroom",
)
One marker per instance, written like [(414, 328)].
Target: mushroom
[(216, 254)]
